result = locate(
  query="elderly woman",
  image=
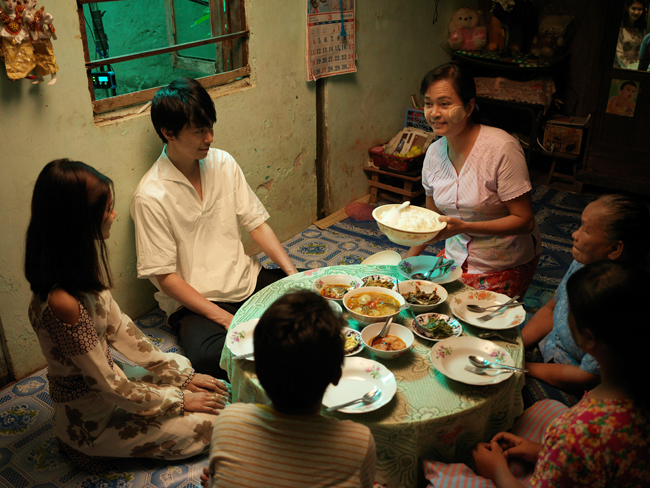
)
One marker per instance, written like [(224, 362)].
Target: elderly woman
[(612, 227), (476, 177)]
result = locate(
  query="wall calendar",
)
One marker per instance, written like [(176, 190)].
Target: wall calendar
[(330, 38)]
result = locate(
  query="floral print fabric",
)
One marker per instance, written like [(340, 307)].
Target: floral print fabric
[(100, 410), (596, 443)]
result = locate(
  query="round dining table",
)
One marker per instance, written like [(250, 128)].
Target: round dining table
[(430, 416)]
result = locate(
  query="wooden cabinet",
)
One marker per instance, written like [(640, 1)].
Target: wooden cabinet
[(618, 148)]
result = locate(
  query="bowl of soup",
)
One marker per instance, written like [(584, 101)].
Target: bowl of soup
[(371, 304), (398, 341), (334, 287)]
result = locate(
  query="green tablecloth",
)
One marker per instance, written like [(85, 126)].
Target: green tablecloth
[(430, 416)]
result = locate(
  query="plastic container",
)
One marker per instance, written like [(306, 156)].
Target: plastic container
[(395, 163)]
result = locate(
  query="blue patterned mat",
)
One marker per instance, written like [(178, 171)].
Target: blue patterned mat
[(29, 455)]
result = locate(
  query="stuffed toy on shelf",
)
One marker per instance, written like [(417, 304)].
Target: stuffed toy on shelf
[(550, 40), (467, 30), (41, 30), (16, 47)]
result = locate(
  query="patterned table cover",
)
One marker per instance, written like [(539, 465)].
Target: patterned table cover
[(430, 416)]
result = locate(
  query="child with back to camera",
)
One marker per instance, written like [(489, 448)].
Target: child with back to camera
[(103, 409), (604, 440), (298, 353)]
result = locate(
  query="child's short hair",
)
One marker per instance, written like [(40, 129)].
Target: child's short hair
[(298, 349), (627, 83), (184, 101)]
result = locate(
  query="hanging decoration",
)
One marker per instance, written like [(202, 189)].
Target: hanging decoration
[(25, 35), (330, 38)]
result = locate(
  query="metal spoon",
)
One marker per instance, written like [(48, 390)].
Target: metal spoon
[(478, 309), (386, 327), (490, 333), (486, 372), (480, 362), (370, 397), (425, 276)]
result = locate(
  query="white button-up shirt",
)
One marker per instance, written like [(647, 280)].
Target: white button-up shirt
[(199, 240)]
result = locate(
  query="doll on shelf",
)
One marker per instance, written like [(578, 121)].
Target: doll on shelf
[(39, 25), (16, 49)]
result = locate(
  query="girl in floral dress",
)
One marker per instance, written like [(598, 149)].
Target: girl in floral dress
[(604, 440), (103, 409)]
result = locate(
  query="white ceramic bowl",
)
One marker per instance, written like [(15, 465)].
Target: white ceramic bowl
[(384, 278), (351, 282), (422, 331), (406, 237), (425, 287), (373, 330), (367, 319)]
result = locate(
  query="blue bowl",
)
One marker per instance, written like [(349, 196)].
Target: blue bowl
[(422, 264)]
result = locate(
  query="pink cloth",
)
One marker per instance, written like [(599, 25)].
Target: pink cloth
[(531, 425), (495, 171)]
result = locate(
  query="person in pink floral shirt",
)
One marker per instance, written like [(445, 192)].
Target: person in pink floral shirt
[(604, 440)]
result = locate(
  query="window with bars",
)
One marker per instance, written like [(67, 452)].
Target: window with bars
[(133, 47)]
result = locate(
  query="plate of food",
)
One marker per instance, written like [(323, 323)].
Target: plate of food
[(334, 287), (422, 296), (239, 338), (383, 281), (359, 376), (352, 341), (506, 319), (451, 356), (422, 264), (436, 326)]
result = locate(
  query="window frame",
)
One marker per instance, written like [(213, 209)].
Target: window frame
[(216, 24)]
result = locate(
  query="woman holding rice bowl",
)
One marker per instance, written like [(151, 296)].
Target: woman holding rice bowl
[(475, 177)]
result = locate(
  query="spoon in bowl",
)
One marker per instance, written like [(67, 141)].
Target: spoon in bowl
[(425, 276), (370, 397), (480, 362), (392, 216)]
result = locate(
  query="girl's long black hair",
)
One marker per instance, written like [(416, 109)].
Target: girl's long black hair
[(64, 245)]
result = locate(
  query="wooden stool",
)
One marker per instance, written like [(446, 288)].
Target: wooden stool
[(386, 180)]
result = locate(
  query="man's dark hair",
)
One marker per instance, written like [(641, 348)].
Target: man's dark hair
[(183, 102), (298, 350)]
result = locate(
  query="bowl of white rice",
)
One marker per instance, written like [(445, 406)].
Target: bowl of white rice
[(416, 225)]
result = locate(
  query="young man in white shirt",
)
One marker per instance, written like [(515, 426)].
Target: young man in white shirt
[(188, 209)]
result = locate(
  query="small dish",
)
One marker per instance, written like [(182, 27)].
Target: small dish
[(383, 281), (427, 287), (335, 285), (383, 257), (373, 330), (351, 334), (421, 330)]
